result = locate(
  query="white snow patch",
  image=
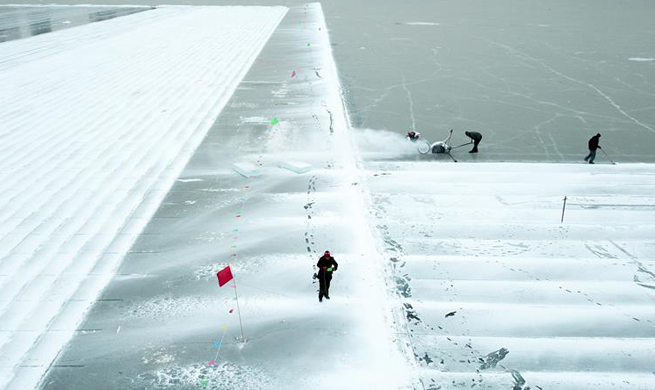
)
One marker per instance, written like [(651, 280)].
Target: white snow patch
[(281, 93), (226, 375), (220, 189), (189, 180), (641, 59), (169, 307), (158, 357)]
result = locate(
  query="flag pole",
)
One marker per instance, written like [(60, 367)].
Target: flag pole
[(563, 209), (234, 281)]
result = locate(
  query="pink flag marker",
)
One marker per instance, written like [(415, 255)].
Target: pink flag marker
[(293, 74), (224, 276), (212, 362)]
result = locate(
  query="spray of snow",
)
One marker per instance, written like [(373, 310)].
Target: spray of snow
[(383, 142)]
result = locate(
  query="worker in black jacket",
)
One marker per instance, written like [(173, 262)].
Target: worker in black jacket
[(593, 145), (326, 265), (475, 138)]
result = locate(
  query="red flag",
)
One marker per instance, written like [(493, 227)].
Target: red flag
[(224, 276)]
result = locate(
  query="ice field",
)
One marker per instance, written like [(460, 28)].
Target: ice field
[(535, 77), (163, 145)]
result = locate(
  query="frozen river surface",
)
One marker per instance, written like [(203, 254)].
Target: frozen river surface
[(536, 78)]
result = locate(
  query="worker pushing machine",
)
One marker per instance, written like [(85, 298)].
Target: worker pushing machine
[(444, 147), (475, 138)]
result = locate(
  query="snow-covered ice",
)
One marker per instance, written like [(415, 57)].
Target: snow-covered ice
[(98, 121)]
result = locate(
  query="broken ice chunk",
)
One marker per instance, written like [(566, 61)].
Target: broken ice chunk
[(246, 169), (297, 167), (493, 358)]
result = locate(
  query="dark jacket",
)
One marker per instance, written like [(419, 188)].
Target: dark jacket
[(593, 142), (474, 135), (326, 262)]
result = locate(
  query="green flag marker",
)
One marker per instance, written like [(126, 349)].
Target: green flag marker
[(204, 382), (274, 121)]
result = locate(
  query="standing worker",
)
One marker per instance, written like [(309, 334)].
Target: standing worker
[(593, 145), (326, 265), (475, 138)]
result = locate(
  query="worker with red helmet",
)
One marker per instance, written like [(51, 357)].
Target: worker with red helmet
[(326, 265)]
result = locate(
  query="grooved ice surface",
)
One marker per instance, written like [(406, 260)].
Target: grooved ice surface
[(535, 303), (18, 22), (97, 123)]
